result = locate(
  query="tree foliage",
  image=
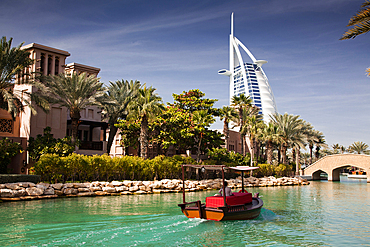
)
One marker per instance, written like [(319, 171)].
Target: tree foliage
[(75, 92), (115, 104), (13, 61), (47, 144), (8, 150)]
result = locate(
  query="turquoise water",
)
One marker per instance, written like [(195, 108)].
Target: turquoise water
[(320, 214)]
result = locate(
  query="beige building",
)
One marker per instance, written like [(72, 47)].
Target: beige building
[(51, 61)]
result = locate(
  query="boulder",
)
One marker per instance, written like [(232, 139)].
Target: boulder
[(116, 183), (147, 183), (6, 193), (86, 194), (34, 191), (41, 186), (21, 192), (127, 183), (49, 191), (68, 185), (23, 185), (44, 184), (70, 191), (79, 185), (121, 188), (57, 186), (97, 188), (156, 185), (83, 190), (58, 192), (133, 188), (137, 183), (101, 193), (109, 189), (12, 186)]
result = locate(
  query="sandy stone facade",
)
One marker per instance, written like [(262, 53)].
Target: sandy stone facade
[(52, 61)]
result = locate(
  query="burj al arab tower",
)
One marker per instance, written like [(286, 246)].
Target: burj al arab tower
[(249, 78)]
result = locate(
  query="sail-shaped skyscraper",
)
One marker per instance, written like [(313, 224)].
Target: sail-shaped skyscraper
[(249, 78)]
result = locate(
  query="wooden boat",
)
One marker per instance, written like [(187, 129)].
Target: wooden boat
[(239, 206)]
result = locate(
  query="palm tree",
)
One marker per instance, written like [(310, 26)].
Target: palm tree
[(145, 106), (115, 104), (253, 125), (360, 22), (289, 126), (359, 147), (270, 134), (227, 114), (75, 92), (335, 147), (299, 141), (202, 119), (314, 138), (320, 143), (240, 102), (13, 61)]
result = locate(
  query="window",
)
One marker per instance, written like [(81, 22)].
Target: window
[(231, 148), (6, 125), (86, 135), (56, 70), (50, 59), (42, 62)]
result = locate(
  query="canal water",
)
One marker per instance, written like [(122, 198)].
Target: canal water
[(320, 214)]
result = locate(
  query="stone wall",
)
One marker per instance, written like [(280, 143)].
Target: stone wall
[(29, 191)]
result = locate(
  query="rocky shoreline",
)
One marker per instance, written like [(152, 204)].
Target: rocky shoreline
[(30, 191)]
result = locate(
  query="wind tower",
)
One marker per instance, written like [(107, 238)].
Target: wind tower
[(248, 78)]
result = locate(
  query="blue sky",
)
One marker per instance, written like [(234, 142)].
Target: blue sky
[(180, 45)]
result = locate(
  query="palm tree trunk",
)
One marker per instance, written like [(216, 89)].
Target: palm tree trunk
[(226, 133), (298, 160), (283, 153), (269, 152), (257, 151), (144, 138), (112, 133), (252, 149), (198, 151), (75, 117), (241, 125), (311, 148)]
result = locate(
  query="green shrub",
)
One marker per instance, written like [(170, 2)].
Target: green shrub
[(264, 170), (220, 156), (76, 167), (283, 170)]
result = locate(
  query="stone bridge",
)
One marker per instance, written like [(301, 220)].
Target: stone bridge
[(332, 165)]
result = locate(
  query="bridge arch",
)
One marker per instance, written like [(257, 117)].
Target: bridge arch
[(332, 164)]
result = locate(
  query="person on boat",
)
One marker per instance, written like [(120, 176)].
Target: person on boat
[(228, 191)]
